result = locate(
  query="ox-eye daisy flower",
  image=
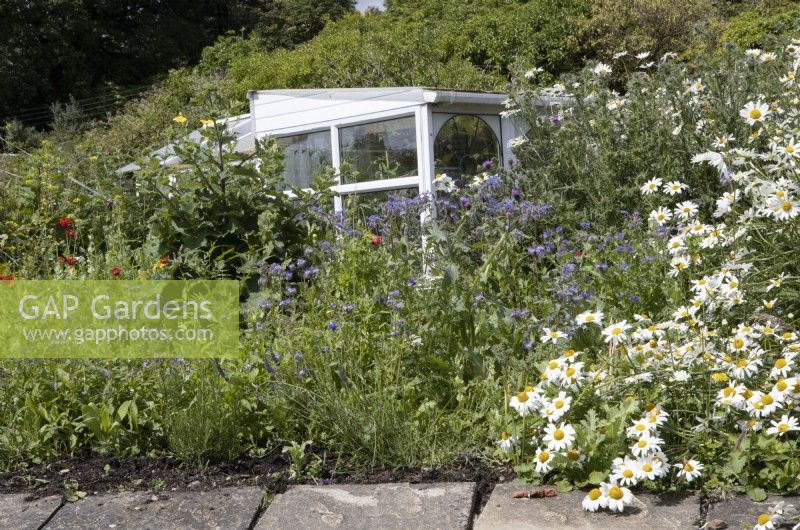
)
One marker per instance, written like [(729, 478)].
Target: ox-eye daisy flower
[(689, 470), (602, 69), (524, 402), (766, 521), (616, 497), (785, 425), (651, 186), (625, 472), (754, 112), (506, 442), (616, 331), (552, 335), (559, 438), (674, 187), (661, 215), (593, 501), (542, 460), (589, 317)]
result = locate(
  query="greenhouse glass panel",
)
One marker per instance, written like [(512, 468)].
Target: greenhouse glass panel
[(379, 150), (463, 144), (304, 155)]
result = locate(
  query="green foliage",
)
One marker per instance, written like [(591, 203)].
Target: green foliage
[(204, 426), (759, 26), (227, 206)]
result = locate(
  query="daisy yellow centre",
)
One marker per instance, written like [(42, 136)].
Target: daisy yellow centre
[(763, 519), (570, 371), (522, 397), (648, 407), (589, 318), (594, 494), (552, 365), (781, 385), (766, 399), (616, 331), (688, 467), (554, 334), (615, 492), (558, 434), (738, 343), (741, 363), (783, 427), (641, 444), (627, 473), (573, 455), (640, 427), (647, 468), (729, 392), (544, 456), (786, 206), (559, 403), (790, 149), (504, 436), (748, 394), (755, 114)]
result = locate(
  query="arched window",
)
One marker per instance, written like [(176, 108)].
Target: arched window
[(463, 144)]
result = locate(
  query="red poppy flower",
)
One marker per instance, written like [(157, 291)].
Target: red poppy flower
[(70, 260), (6, 277), (71, 233), (116, 271), (377, 240), (65, 222), (164, 261)]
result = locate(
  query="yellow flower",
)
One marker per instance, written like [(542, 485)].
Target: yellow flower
[(93, 158), (180, 119), (207, 123), (719, 377)]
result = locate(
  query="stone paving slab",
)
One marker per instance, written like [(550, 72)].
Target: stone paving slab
[(228, 508), (372, 507), (737, 511), (503, 512), (18, 514)]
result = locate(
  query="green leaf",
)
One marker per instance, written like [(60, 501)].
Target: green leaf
[(596, 477), (564, 486), (756, 494)]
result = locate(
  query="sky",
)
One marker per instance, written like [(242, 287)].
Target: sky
[(361, 5)]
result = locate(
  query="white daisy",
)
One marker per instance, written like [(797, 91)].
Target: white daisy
[(593, 501), (754, 112), (543, 460), (616, 332), (616, 497), (651, 186), (559, 438), (785, 425), (589, 317), (689, 470)]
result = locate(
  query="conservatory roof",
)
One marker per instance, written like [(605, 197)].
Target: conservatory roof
[(282, 111)]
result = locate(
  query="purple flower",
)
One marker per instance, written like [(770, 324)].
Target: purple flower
[(585, 225), (515, 194), (332, 326), (411, 282), (519, 313), (348, 308), (465, 203), (265, 305), (537, 250), (486, 164)]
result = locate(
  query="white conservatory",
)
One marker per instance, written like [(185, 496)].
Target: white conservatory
[(396, 138)]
